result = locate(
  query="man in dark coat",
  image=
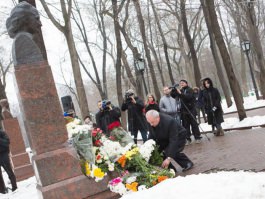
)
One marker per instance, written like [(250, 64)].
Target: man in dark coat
[(171, 138), (188, 111), (136, 119), (4, 159), (108, 114), (213, 108)]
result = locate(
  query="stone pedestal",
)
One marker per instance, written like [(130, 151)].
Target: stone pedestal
[(20, 159), (56, 168)]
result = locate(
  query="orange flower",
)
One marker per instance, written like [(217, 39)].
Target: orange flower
[(132, 186), (154, 182), (122, 161), (161, 178)]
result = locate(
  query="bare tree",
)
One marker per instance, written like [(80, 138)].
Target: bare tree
[(253, 34), (66, 29), (217, 60), (226, 59), (147, 51), (165, 45), (197, 73)]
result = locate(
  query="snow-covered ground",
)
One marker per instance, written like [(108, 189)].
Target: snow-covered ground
[(221, 185), (249, 103)]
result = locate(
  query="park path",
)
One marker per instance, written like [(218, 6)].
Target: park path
[(237, 150)]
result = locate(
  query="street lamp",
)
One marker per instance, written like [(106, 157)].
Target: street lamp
[(245, 45), (140, 66)]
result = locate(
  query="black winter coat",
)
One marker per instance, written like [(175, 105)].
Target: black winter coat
[(211, 97), (187, 100), (105, 118), (4, 142), (136, 118), (169, 135), (153, 106)]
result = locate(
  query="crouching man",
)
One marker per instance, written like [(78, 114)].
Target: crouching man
[(171, 138)]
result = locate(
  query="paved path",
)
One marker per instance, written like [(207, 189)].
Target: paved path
[(237, 150), (250, 113)]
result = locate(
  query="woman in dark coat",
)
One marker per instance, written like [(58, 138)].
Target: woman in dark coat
[(151, 104), (213, 108)]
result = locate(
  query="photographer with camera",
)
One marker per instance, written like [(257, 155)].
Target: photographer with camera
[(170, 105), (106, 115), (136, 119), (188, 110)]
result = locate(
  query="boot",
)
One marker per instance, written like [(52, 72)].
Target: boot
[(221, 132), (217, 132)]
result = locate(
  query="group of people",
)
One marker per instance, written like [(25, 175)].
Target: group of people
[(172, 121)]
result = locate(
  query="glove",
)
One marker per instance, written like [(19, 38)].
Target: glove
[(214, 109)]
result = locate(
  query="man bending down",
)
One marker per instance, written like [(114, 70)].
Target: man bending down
[(171, 138)]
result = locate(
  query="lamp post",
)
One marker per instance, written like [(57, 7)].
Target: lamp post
[(246, 48), (140, 67)]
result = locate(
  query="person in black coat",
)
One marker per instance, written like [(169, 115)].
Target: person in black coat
[(170, 137), (136, 118), (151, 104), (188, 111), (108, 114), (213, 108), (4, 159)]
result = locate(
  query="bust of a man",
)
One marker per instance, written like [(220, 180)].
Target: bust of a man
[(22, 24), (5, 109)]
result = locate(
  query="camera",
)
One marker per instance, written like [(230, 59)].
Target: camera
[(128, 95), (105, 104), (174, 93), (174, 86)]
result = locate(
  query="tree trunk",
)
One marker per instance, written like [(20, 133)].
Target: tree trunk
[(82, 99), (67, 31), (119, 55), (256, 42), (164, 43), (217, 60), (147, 51), (235, 87), (197, 73), (151, 45)]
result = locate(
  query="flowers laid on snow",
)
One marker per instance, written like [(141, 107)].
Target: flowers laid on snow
[(136, 165)]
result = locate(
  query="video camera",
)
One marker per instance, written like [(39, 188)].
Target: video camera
[(174, 93), (174, 86), (105, 105)]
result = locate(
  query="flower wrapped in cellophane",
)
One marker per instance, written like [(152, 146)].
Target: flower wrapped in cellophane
[(117, 133), (137, 166)]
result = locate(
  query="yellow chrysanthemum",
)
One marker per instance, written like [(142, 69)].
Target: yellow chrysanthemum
[(87, 166), (132, 152), (98, 173), (132, 186)]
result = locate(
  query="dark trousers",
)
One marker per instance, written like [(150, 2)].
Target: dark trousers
[(5, 163), (189, 121), (180, 157), (135, 133), (2, 183)]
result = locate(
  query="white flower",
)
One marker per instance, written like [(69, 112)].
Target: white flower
[(147, 148), (172, 172), (118, 188), (111, 166), (131, 179), (141, 188)]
